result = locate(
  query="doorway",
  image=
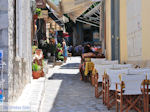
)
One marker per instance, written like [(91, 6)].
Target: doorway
[(115, 26)]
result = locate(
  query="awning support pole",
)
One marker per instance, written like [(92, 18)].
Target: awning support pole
[(87, 23)]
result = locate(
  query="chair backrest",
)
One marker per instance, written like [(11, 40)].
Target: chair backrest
[(133, 83), (114, 76), (139, 71), (98, 60), (110, 62), (100, 69), (123, 65), (147, 82)]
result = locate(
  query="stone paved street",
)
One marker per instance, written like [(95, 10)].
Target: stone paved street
[(64, 92)]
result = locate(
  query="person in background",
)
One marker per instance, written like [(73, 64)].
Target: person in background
[(87, 48), (70, 49), (65, 53)]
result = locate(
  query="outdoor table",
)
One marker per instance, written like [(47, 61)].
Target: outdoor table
[(101, 68), (139, 70), (110, 78), (88, 67), (122, 66), (84, 67)]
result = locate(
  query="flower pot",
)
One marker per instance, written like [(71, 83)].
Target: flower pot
[(35, 16), (42, 74), (36, 74)]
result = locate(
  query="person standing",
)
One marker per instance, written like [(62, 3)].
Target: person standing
[(65, 53)]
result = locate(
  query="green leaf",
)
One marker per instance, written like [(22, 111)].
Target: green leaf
[(36, 67), (38, 11)]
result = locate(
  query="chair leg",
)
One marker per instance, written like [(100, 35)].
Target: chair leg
[(116, 93), (147, 92), (117, 106), (108, 94), (121, 104), (96, 86), (144, 102), (103, 91)]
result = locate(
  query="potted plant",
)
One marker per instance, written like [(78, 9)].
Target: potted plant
[(36, 71), (59, 52), (37, 13), (34, 49), (42, 74)]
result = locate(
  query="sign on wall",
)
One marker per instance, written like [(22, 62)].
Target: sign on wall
[(134, 29)]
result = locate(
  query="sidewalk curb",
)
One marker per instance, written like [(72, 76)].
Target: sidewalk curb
[(42, 95)]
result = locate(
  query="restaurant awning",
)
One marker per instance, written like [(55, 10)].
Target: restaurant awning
[(75, 8), (57, 9), (52, 15), (91, 15)]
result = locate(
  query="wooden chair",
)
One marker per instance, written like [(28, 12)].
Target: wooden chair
[(146, 93), (82, 68), (97, 92), (98, 77), (128, 93), (100, 67), (112, 79), (104, 88), (107, 65)]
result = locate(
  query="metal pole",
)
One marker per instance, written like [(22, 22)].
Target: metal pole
[(87, 23)]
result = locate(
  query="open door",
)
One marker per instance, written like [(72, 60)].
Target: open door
[(115, 33)]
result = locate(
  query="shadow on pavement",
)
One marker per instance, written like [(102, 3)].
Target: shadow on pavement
[(73, 95), (70, 66)]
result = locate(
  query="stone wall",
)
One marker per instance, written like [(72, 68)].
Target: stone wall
[(18, 69)]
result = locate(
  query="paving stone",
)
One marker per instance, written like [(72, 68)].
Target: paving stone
[(64, 92)]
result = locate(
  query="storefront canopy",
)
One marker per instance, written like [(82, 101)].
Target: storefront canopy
[(91, 15), (54, 17), (74, 8)]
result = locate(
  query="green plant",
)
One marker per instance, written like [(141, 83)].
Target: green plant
[(34, 48), (36, 67), (58, 45), (43, 63), (38, 11)]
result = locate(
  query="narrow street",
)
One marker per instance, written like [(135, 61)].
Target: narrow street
[(111, 38), (64, 92)]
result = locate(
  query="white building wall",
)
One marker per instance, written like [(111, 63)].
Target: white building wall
[(134, 29)]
